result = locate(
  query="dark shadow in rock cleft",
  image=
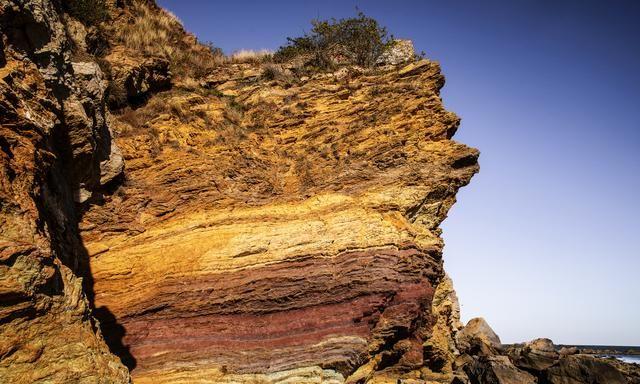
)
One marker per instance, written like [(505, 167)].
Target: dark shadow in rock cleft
[(62, 215), (113, 334)]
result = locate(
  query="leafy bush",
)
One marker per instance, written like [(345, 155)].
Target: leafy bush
[(358, 40), (89, 12)]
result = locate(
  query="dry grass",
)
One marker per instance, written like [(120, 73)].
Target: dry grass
[(250, 56), (156, 32), (233, 113), (275, 72), (272, 72), (177, 109), (137, 121)]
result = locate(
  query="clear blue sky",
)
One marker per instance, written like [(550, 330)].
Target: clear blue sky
[(546, 239)]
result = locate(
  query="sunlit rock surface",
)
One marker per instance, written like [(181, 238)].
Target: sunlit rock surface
[(299, 235)]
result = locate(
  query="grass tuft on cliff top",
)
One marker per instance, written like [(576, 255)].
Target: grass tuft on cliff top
[(154, 31)]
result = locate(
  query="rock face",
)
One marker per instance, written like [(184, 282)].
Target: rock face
[(55, 146), (290, 229), (477, 338), (402, 51), (267, 231)]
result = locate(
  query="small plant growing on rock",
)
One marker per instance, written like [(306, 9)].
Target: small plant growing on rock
[(234, 112), (89, 12), (358, 40), (275, 72), (271, 72)]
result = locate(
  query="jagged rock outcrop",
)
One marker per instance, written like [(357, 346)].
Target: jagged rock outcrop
[(56, 147), (477, 338), (537, 361), (401, 51), (537, 355), (583, 369), (496, 370), (133, 79)]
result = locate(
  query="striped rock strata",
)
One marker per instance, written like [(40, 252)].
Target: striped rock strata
[(282, 231)]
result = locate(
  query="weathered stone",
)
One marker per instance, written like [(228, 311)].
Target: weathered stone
[(537, 355), (477, 338), (414, 68), (112, 167), (584, 369), (400, 52), (566, 351), (134, 78), (49, 144), (441, 348), (631, 371), (497, 370)]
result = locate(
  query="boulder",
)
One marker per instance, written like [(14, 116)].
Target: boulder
[(497, 370), (477, 338), (630, 370), (584, 369), (400, 52), (537, 355), (566, 351)]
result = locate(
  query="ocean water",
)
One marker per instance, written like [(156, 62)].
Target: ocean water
[(629, 358)]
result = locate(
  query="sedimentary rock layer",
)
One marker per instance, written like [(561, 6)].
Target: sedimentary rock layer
[(283, 229)]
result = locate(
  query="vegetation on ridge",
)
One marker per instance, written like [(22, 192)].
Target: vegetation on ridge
[(88, 12), (357, 40)]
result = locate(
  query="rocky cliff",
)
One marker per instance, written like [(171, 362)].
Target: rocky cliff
[(289, 229), (271, 225)]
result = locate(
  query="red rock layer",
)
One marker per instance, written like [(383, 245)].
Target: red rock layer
[(285, 314)]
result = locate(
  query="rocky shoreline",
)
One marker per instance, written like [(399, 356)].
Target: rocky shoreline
[(604, 350), (484, 360)]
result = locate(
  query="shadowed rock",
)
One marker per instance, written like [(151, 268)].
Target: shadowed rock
[(583, 369), (497, 370), (537, 355)]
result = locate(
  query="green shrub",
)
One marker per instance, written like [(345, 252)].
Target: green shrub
[(89, 12), (358, 40)]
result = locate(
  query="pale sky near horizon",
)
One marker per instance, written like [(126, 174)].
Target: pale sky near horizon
[(544, 242)]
